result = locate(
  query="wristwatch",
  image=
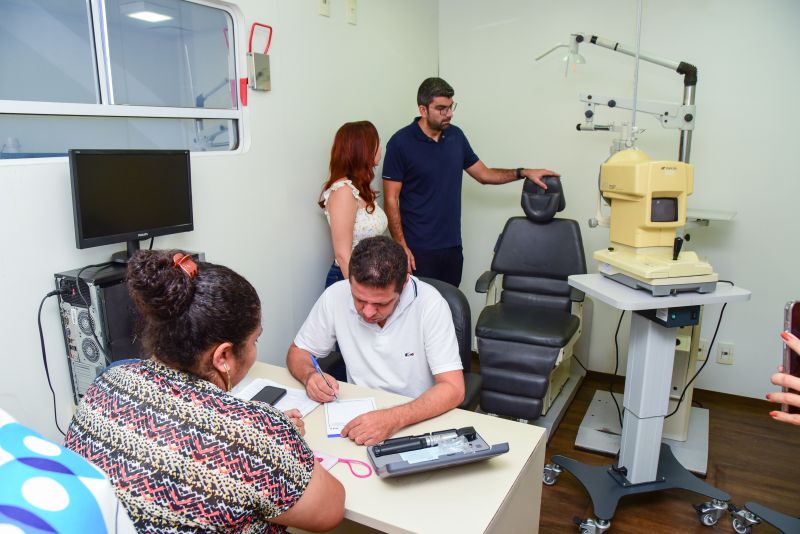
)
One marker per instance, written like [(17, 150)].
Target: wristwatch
[(518, 173)]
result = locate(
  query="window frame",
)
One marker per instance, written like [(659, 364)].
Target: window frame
[(102, 80)]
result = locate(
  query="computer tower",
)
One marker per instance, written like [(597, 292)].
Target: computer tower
[(98, 320)]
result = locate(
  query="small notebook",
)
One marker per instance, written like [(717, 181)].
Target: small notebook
[(339, 413)]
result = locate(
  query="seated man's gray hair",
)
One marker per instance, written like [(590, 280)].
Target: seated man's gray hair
[(379, 262)]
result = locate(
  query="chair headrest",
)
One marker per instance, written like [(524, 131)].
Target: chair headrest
[(541, 205)]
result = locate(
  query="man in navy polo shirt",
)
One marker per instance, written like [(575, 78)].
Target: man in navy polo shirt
[(422, 174)]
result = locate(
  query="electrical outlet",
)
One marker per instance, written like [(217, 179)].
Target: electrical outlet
[(702, 349), (725, 353), (352, 12), (325, 8)]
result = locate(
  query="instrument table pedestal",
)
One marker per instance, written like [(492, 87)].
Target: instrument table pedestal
[(645, 464)]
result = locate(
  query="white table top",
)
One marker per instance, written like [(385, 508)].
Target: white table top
[(623, 297), (458, 499)]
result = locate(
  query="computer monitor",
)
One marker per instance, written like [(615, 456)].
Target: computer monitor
[(124, 196)]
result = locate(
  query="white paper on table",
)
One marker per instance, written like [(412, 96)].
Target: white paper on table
[(294, 398), (421, 455), (325, 460), (340, 412)]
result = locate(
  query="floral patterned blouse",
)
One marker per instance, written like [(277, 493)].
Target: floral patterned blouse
[(184, 456), (366, 224)]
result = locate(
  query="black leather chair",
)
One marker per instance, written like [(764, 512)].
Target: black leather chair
[(525, 340), (462, 320)]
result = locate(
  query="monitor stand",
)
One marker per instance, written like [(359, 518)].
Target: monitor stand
[(123, 256)]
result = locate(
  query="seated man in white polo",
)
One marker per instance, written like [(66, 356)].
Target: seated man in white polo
[(395, 333)]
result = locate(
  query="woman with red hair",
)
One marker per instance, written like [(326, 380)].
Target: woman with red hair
[(347, 196)]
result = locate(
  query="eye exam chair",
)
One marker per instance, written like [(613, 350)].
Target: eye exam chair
[(532, 320)]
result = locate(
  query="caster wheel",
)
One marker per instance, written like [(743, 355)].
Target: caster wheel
[(740, 526), (550, 474), (708, 520), (592, 526)]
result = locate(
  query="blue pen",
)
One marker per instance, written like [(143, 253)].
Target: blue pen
[(316, 366)]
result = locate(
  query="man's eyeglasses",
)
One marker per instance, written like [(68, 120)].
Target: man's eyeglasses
[(444, 109)]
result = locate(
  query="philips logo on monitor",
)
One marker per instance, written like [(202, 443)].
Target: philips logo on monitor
[(143, 235)]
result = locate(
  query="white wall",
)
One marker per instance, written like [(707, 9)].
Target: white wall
[(518, 112), (254, 211)]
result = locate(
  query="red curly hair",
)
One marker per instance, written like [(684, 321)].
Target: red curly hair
[(353, 157)]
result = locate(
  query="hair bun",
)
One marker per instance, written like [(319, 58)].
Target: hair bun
[(160, 290)]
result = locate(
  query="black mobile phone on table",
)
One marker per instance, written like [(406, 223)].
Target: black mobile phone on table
[(269, 394), (791, 360)]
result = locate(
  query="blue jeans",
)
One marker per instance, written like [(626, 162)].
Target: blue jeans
[(334, 275)]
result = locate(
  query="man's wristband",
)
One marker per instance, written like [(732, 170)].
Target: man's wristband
[(518, 173)]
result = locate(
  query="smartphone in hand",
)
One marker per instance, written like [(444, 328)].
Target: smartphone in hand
[(791, 360), (270, 395)]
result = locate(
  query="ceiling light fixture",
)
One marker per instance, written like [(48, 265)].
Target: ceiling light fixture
[(145, 11)]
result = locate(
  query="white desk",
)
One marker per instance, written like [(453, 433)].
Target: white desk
[(646, 465), (502, 494)]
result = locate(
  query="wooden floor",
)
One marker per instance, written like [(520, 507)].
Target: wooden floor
[(751, 457)]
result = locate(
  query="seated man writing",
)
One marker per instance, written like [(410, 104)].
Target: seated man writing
[(395, 333)]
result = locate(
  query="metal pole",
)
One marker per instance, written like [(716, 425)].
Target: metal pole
[(685, 147)]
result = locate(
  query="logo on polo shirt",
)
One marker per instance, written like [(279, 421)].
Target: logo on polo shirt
[(409, 354)]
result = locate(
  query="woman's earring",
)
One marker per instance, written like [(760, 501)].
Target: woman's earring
[(228, 372)]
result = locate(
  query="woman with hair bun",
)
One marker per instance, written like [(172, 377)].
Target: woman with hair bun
[(183, 454)]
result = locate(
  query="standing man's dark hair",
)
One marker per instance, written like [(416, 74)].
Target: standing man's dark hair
[(379, 262), (430, 88)]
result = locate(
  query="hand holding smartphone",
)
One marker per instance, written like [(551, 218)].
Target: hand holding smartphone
[(791, 359), (270, 395)]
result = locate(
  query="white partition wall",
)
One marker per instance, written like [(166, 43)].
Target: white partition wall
[(254, 210)]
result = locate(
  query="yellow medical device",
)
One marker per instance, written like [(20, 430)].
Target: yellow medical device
[(647, 198), (648, 203)]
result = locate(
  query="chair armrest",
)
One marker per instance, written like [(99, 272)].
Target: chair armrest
[(485, 280), (576, 295), (330, 360)]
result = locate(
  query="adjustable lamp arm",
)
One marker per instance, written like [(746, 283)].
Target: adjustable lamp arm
[(556, 47), (688, 70)]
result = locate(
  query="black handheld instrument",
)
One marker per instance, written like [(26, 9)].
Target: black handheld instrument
[(413, 443)]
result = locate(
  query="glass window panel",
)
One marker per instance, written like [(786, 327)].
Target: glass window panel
[(37, 136), (46, 51), (171, 53)]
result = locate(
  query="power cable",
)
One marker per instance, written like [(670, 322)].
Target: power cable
[(44, 358), (708, 356), (616, 367)]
